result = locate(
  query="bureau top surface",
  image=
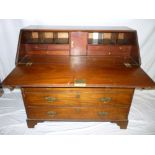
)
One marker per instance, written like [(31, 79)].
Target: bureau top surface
[(78, 28), (62, 71)]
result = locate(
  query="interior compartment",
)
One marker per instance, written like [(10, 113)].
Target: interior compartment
[(44, 43), (47, 37), (62, 43), (112, 38)]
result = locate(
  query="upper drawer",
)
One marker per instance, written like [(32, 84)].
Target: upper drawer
[(77, 97)]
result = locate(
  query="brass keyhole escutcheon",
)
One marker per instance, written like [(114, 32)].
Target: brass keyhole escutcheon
[(79, 83)]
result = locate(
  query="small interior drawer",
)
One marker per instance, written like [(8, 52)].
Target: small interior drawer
[(107, 50), (36, 47)]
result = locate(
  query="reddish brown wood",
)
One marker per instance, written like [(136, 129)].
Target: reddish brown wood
[(31, 123), (107, 50), (63, 71), (63, 97), (47, 49), (77, 113), (121, 124), (78, 43)]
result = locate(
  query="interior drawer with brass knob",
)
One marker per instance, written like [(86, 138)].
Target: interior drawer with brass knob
[(77, 113)]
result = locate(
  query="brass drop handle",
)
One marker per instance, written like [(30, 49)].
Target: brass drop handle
[(51, 113), (50, 99), (105, 99), (102, 113)]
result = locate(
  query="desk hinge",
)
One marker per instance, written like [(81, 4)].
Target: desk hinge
[(128, 65), (28, 63)]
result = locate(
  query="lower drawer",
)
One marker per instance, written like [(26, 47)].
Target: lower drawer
[(77, 113)]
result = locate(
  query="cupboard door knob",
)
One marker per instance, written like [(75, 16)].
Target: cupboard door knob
[(105, 99), (50, 99), (102, 113)]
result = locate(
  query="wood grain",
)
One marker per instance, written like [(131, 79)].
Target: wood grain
[(63, 71), (77, 113), (71, 97)]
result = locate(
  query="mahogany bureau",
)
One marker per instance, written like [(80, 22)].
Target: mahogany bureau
[(78, 73)]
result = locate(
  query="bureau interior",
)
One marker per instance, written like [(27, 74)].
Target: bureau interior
[(58, 43)]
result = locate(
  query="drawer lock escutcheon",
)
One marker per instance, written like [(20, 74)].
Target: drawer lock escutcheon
[(102, 113), (50, 99), (79, 83), (105, 99)]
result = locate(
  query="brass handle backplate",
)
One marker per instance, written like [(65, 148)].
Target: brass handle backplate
[(50, 99), (105, 99), (102, 113), (51, 113)]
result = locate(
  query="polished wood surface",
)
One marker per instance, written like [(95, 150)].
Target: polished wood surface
[(78, 43), (86, 113), (78, 73), (75, 97), (63, 71), (116, 50), (47, 49)]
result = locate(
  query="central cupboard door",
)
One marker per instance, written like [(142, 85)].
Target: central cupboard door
[(78, 43)]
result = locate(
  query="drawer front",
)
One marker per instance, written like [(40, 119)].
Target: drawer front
[(109, 50), (48, 49), (78, 97), (35, 47), (83, 113), (51, 99)]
